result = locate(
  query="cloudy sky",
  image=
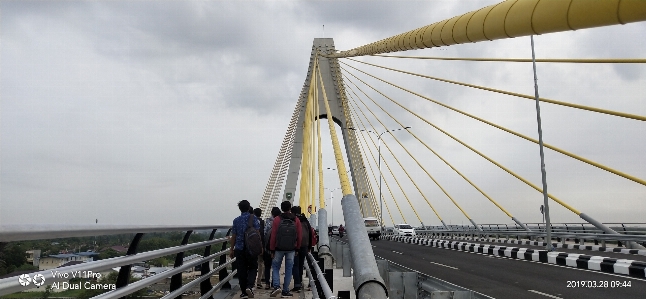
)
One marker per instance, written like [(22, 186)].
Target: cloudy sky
[(170, 112)]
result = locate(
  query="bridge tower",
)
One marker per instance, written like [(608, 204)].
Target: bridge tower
[(337, 101)]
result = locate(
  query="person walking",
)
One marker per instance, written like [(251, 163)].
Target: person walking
[(275, 211), (285, 238), (308, 240), (341, 230), (261, 262), (247, 265)]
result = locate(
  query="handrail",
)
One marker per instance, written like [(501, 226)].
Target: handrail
[(321, 277), (195, 282), (555, 233), (12, 285), (135, 286), (219, 285)]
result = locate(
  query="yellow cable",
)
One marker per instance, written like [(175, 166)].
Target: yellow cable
[(393, 154), (562, 60), (397, 182), (508, 19), (520, 95), (318, 134), (375, 179), (590, 162), (386, 182), (304, 182), (354, 150), (464, 177), (313, 157), (484, 156), (340, 164), (418, 163)]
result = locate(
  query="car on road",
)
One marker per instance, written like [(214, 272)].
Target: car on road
[(335, 230), (404, 229), (372, 227)]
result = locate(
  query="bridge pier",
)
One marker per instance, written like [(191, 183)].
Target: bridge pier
[(324, 240), (368, 282)]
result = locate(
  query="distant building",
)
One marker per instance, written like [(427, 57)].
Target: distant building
[(90, 254), (136, 271), (119, 249), (33, 256), (57, 260)]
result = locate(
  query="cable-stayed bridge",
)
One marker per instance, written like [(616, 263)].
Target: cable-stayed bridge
[(363, 95)]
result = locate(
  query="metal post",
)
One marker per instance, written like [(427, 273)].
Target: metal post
[(339, 255), (381, 198), (548, 227), (176, 280), (223, 274), (346, 261), (206, 285), (313, 220), (476, 225), (124, 272), (324, 240), (368, 283), (329, 276), (312, 281), (599, 225), (320, 275)]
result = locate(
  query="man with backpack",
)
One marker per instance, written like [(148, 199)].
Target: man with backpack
[(308, 240), (244, 236), (284, 240), (275, 211)]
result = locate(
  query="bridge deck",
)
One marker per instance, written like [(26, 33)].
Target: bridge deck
[(340, 283)]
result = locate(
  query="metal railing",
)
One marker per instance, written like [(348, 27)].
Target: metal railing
[(320, 276), (312, 281), (627, 232), (122, 287)]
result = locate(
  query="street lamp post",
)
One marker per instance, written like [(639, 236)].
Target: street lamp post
[(332, 203), (332, 198), (381, 199)]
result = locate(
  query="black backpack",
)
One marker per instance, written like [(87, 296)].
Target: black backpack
[(305, 231), (286, 234), (252, 239)]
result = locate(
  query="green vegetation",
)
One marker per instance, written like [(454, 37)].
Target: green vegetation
[(13, 257)]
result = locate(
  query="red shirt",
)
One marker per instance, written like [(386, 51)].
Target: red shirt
[(274, 231)]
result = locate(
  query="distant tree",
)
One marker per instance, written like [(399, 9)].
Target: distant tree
[(24, 267), (156, 243), (159, 262), (109, 253), (12, 256), (48, 292)]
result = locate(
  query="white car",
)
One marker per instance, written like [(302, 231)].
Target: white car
[(372, 227), (404, 230), (335, 230)]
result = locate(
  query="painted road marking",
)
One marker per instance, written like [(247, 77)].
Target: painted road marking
[(560, 266), (546, 295), (548, 264), (444, 265), (398, 252)]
